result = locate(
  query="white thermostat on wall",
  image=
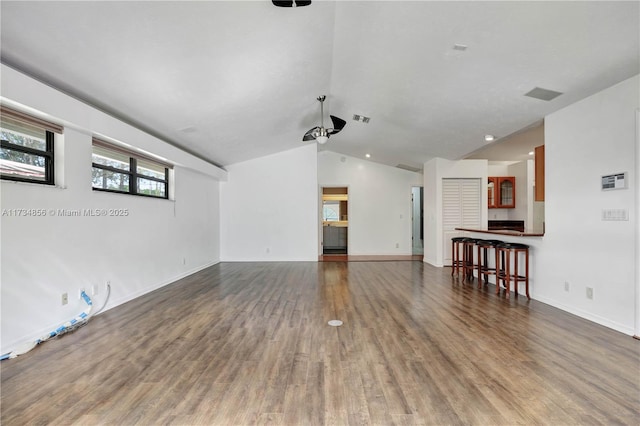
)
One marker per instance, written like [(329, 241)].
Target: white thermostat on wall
[(616, 181)]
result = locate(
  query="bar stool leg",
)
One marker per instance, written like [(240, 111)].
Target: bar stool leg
[(500, 268), (479, 254), (516, 254), (526, 274), (508, 272), (454, 257)]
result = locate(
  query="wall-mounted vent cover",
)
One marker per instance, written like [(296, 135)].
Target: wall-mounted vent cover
[(543, 94), (409, 168)]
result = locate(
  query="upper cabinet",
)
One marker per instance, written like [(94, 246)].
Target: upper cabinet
[(501, 191)]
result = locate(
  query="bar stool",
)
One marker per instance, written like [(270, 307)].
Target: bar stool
[(469, 264), (457, 262), (484, 255), (506, 252)]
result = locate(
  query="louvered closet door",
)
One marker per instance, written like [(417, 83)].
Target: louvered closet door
[(460, 208)]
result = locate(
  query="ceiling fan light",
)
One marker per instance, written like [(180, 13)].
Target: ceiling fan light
[(322, 139)]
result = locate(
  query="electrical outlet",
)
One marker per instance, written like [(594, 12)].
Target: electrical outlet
[(268, 250), (184, 260), (397, 245), (65, 298), (94, 289), (589, 292), (566, 286)]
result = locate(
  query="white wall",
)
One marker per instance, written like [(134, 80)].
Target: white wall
[(269, 208), (379, 202), (44, 257), (523, 171), (584, 141), (434, 171)]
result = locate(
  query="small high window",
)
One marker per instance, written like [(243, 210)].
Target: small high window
[(116, 169), (26, 148)]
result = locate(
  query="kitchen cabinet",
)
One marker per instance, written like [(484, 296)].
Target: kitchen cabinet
[(501, 192), (334, 237)]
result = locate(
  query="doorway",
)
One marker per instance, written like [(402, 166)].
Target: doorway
[(335, 220), (417, 220)]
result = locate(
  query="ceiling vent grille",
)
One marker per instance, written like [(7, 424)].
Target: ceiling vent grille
[(362, 118), (542, 94)]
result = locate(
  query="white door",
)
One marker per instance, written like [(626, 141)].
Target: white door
[(460, 208)]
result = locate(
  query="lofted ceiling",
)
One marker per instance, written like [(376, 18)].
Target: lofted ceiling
[(230, 81)]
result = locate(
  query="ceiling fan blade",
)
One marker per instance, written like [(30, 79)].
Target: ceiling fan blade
[(290, 3), (309, 136), (338, 124)]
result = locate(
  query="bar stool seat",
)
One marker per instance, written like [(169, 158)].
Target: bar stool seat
[(508, 254)]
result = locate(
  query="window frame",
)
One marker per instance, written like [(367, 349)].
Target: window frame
[(49, 153), (132, 172)]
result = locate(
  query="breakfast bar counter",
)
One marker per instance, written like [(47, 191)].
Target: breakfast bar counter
[(507, 232)]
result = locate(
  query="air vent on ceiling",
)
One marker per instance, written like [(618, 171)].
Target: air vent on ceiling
[(543, 94), (362, 118), (461, 47), (409, 168)]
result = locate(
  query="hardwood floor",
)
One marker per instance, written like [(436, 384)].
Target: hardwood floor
[(248, 343)]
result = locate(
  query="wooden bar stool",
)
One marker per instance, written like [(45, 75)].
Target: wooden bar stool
[(484, 257), (508, 254), (457, 261), (468, 246)]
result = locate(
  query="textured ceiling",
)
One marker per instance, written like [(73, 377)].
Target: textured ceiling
[(231, 81)]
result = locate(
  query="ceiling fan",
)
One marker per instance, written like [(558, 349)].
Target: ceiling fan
[(291, 3), (320, 134)]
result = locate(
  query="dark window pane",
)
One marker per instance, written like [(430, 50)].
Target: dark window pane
[(151, 187), (105, 179), (21, 164)]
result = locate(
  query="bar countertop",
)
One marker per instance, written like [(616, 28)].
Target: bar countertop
[(525, 233)]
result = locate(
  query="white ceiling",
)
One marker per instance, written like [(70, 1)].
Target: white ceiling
[(231, 81)]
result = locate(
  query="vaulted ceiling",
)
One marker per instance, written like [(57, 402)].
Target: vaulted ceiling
[(231, 81)]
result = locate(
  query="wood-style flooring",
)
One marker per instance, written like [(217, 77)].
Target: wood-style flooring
[(248, 343)]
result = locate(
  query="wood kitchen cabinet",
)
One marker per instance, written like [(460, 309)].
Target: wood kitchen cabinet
[(501, 191)]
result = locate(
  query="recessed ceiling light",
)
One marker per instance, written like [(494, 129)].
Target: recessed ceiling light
[(368, 155), (531, 152), (489, 138)]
